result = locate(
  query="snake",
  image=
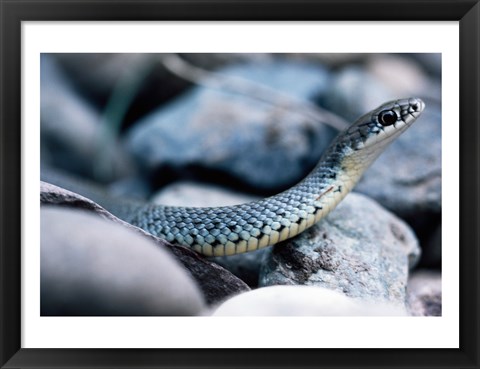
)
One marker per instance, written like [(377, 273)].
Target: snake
[(230, 230)]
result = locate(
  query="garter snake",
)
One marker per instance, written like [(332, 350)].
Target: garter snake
[(229, 230)]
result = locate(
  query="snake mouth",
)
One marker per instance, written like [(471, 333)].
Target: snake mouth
[(410, 109)]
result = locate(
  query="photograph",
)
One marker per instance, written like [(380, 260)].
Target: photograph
[(241, 184)]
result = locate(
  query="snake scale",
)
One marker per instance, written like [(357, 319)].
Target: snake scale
[(229, 230)]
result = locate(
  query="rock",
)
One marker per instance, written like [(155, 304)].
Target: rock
[(238, 140), (354, 92), (360, 249), (53, 195), (424, 293), (90, 266), (199, 195), (302, 301), (70, 130), (215, 282), (356, 89), (403, 76)]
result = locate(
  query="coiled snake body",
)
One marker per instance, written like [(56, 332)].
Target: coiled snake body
[(236, 229)]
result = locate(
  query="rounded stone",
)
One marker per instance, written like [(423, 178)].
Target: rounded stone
[(92, 266), (303, 301)]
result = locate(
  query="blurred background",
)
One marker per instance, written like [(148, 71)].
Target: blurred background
[(220, 129)]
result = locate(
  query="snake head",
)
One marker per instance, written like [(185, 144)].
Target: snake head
[(382, 125)]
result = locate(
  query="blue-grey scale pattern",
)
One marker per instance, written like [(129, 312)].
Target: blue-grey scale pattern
[(245, 227)]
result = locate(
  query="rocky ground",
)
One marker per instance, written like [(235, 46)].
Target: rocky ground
[(223, 129)]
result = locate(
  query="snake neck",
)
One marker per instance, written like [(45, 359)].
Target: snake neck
[(324, 188)]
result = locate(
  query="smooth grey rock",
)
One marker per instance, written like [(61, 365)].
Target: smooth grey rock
[(51, 194), (194, 194), (215, 282), (403, 76), (302, 301), (360, 249), (240, 139), (71, 134), (424, 292), (357, 89), (353, 92), (91, 266)]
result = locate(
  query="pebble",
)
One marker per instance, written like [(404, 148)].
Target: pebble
[(92, 266), (187, 193), (303, 301), (409, 78), (424, 293)]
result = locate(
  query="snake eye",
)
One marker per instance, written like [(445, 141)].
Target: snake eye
[(387, 117)]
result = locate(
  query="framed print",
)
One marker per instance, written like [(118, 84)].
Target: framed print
[(239, 184)]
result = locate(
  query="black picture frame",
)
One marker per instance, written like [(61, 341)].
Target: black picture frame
[(467, 12)]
